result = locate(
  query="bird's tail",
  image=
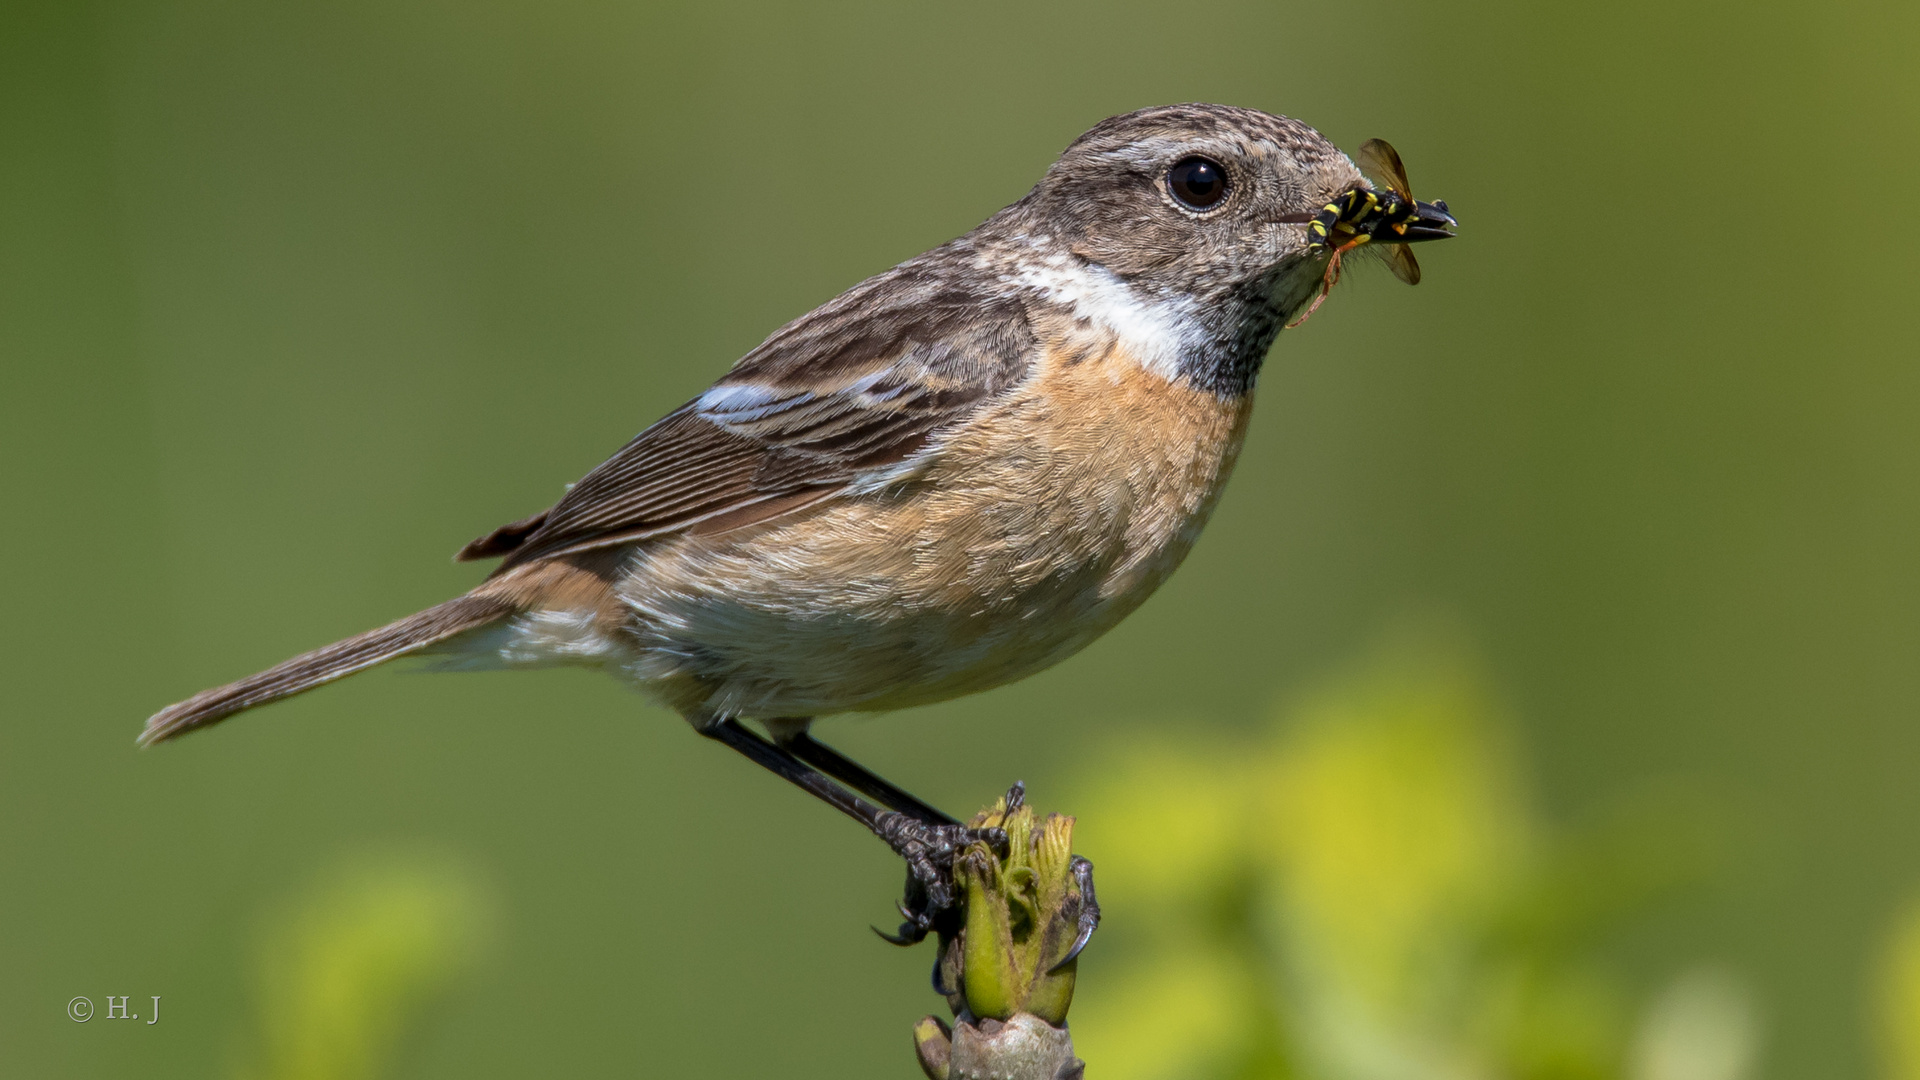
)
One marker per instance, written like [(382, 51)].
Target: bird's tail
[(322, 666)]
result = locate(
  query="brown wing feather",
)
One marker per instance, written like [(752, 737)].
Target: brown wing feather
[(501, 540), (862, 382)]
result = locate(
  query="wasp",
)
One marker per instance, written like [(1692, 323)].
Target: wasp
[(1366, 215)]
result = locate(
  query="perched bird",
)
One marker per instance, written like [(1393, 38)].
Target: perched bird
[(953, 475)]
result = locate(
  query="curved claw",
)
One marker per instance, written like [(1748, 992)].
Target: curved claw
[(1079, 942), (910, 934), (1082, 871)]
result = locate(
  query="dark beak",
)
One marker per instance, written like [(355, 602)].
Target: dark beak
[(1431, 221)]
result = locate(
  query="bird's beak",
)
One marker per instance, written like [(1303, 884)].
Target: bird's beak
[(1431, 221)]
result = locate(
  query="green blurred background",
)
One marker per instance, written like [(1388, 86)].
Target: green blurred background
[(296, 298)]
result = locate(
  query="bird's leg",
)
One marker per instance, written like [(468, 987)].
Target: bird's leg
[(928, 848), (792, 736)]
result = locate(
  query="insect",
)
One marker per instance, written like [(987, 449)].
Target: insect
[(1364, 215)]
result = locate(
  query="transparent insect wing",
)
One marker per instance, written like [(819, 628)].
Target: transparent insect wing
[(1378, 159), (1401, 261)]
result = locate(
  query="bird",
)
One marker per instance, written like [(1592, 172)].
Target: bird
[(957, 473)]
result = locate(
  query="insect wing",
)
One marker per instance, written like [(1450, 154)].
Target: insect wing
[(1379, 159), (1401, 261)]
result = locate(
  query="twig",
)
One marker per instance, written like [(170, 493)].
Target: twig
[(1009, 961)]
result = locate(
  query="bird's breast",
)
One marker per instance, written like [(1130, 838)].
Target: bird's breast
[(1034, 528), (1102, 470)]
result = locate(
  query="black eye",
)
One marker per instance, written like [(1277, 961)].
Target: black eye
[(1197, 182)]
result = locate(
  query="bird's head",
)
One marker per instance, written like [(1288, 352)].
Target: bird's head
[(1213, 206)]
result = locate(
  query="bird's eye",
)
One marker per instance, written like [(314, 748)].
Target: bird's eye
[(1197, 182)]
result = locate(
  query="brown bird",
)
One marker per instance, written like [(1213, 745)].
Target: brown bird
[(953, 475)]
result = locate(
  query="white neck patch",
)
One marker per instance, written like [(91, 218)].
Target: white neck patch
[(1158, 332)]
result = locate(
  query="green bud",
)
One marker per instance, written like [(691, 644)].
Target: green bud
[(1022, 913)]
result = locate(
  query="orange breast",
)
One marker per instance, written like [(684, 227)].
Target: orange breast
[(1032, 530)]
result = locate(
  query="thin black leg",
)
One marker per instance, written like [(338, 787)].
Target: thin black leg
[(926, 838), (928, 848), (776, 760), (856, 776)]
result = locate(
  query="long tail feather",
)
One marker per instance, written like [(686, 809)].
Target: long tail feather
[(322, 666)]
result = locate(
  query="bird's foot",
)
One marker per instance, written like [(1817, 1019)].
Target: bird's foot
[(1088, 919), (929, 851)]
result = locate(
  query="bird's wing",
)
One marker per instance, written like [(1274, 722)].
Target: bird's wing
[(861, 383)]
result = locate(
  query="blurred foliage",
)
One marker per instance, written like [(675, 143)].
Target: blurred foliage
[(1899, 997), (1702, 1026), (1365, 893), (347, 970)]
